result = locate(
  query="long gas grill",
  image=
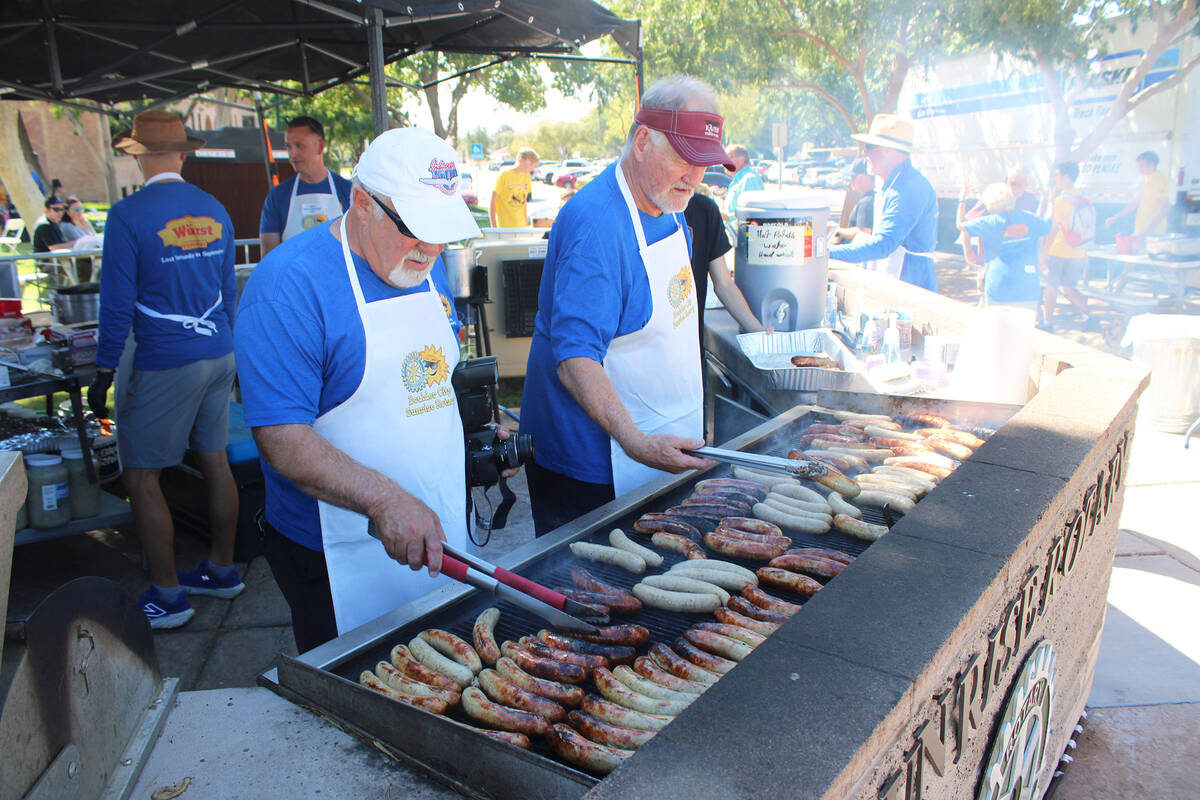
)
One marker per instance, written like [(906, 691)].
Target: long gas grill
[(327, 678)]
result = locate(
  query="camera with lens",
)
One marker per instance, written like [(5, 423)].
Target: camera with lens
[(488, 455)]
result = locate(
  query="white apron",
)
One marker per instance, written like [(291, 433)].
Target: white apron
[(656, 370), (402, 421), (309, 210)]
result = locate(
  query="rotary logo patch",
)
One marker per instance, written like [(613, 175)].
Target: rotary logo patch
[(680, 287), (190, 233), (443, 176), (424, 368)]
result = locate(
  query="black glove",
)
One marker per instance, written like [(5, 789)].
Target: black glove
[(97, 394)]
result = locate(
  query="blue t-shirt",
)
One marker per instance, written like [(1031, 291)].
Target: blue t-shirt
[(594, 288), (908, 218), (275, 207), (1010, 251), (301, 350), (169, 247)]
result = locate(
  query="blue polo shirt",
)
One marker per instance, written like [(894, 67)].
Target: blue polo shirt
[(908, 218), (594, 288), (169, 247), (275, 208), (301, 350), (1010, 251)]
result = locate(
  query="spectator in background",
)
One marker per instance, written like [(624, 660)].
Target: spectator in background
[(1151, 206), (1023, 199), (513, 191), (745, 178), (48, 236), (1009, 241), (1064, 250), (311, 197), (862, 217), (74, 224), (56, 189)]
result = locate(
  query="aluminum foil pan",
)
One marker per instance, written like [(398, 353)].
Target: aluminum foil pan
[(772, 353)]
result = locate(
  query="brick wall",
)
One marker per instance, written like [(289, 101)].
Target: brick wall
[(63, 155)]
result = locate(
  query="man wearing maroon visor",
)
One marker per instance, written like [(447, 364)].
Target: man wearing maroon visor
[(613, 391)]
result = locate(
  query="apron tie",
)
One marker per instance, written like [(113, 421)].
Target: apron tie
[(201, 324)]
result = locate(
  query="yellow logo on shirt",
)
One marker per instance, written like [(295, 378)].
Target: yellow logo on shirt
[(426, 374), (679, 291), (449, 309), (190, 233), (313, 220)]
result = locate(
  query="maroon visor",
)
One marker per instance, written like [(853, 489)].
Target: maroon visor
[(695, 135)]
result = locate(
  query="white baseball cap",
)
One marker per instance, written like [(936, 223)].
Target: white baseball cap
[(417, 171)]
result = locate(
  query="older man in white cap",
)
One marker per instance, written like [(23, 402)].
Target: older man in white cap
[(905, 230), (346, 346), (613, 391)]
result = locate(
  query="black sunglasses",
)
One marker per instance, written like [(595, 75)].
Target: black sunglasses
[(395, 218), (57, 208)]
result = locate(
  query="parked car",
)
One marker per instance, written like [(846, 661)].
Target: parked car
[(568, 177), (545, 172), (717, 176), (466, 188), (500, 166)]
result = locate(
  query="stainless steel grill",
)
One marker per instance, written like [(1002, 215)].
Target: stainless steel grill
[(327, 678)]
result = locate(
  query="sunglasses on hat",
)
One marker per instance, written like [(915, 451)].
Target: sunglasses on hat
[(395, 218)]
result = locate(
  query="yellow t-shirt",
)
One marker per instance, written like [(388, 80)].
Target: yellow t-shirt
[(1151, 201), (1063, 214), (513, 190)]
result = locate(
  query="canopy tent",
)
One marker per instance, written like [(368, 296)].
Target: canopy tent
[(68, 51)]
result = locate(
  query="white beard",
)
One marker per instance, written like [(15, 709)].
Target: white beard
[(663, 201), (403, 276)]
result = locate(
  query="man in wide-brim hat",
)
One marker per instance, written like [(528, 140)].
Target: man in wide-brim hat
[(168, 278), (905, 230)]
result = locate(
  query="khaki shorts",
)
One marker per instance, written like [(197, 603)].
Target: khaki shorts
[(1063, 271), (167, 411)]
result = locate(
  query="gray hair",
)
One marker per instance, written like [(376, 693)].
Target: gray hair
[(355, 183), (674, 93), (998, 198)]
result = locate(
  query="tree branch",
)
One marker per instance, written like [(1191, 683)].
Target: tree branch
[(833, 101), (856, 72)]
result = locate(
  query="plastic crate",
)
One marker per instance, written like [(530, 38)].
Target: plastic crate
[(522, 278)]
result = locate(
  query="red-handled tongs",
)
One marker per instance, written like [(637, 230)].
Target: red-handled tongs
[(560, 611)]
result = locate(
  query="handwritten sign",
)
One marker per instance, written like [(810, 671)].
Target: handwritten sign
[(778, 244)]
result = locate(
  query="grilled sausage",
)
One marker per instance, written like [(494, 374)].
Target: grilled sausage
[(730, 581), (665, 523), (716, 564), (508, 737), (616, 714), (606, 733), (743, 548), (726, 504), (561, 693), (917, 445), (874, 456), (702, 658), (543, 650), (680, 667), (702, 525), (804, 523), (649, 688), (928, 420), (483, 633), (761, 538), (859, 529), (771, 603), (478, 707), (713, 511), (542, 667), (682, 583), (718, 644), (623, 603), (725, 494), (651, 671), (821, 427), (748, 609), (960, 437), (880, 497), (842, 460), (413, 688), (931, 458), (768, 479), (746, 637), (507, 693), (590, 583), (752, 488), (850, 416), (371, 681), (453, 647), (917, 477), (832, 555), (808, 506), (872, 481), (797, 508), (892, 433), (668, 600), (677, 544), (403, 660), (608, 555), (949, 448), (579, 751), (752, 525), (798, 491), (422, 651), (820, 362), (615, 653), (813, 565), (618, 539), (632, 635), (792, 581), (838, 505), (732, 617), (619, 693)]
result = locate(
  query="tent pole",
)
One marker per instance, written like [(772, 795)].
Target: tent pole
[(375, 55)]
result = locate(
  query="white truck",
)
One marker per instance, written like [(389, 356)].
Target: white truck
[(979, 116)]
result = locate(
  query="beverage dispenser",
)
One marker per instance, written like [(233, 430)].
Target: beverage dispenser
[(781, 260)]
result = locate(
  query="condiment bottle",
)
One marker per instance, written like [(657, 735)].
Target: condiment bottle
[(85, 495), (47, 500)]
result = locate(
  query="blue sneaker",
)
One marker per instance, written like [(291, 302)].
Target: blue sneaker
[(163, 614), (201, 580)]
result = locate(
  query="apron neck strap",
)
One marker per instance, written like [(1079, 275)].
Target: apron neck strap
[(632, 207)]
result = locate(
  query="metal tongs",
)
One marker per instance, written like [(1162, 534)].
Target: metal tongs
[(560, 611), (797, 468)]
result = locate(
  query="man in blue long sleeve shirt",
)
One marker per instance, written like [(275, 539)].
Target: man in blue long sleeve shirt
[(168, 276), (907, 229)]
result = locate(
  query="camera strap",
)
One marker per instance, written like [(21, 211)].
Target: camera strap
[(497, 517)]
